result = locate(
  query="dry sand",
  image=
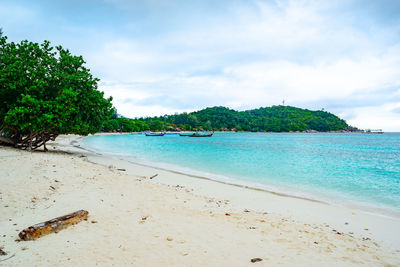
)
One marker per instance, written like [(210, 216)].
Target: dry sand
[(137, 221)]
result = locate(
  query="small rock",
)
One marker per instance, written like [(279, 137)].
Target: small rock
[(227, 214), (93, 221), (255, 260), (169, 238), (246, 210)]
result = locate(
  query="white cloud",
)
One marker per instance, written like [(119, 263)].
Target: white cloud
[(378, 117), (244, 54), (247, 85)]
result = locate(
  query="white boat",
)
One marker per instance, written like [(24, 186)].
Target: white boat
[(154, 134)]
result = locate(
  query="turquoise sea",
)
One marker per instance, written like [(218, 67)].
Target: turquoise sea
[(360, 170)]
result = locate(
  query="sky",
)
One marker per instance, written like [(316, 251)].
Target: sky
[(168, 56)]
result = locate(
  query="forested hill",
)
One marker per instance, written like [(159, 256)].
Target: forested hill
[(268, 119)]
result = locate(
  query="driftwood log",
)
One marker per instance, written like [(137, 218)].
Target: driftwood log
[(52, 226)]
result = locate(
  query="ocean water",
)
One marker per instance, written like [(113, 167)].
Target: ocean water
[(361, 170)]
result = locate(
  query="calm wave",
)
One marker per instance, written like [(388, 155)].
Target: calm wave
[(361, 169)]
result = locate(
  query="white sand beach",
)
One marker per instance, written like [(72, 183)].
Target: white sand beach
[(138, 221)]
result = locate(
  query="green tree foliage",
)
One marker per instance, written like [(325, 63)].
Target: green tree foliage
[(45, 92), (125, 125), (268, 119), (118, 123)]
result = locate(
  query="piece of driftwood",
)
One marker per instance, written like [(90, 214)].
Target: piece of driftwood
[(52, 226), (255, 260)]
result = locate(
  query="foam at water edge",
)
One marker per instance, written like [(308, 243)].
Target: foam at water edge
[(246, 184)]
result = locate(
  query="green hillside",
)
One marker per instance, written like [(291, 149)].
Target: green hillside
[(268, 119)]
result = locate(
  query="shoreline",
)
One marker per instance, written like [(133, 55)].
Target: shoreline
[(321, 204), (181, 170), (199, 176), (309, 131), (136, 220)]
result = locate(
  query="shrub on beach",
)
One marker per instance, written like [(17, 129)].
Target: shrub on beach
[(45, 92)]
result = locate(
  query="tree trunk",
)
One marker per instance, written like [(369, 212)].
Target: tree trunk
[(7, 140), (28, 140)]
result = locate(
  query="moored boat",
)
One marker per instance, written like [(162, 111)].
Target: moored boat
[(201, 135), (154, 134)]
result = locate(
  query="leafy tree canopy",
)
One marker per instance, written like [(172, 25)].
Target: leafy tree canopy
[(44, 92), (268, 119)]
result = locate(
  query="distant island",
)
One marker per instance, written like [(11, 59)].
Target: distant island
[(268, 119)]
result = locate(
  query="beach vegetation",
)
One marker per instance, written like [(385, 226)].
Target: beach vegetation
[(45, 92), (124, 125), (266, 119)]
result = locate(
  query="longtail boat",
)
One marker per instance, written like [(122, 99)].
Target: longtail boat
[(200, 135), (154, 134)]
